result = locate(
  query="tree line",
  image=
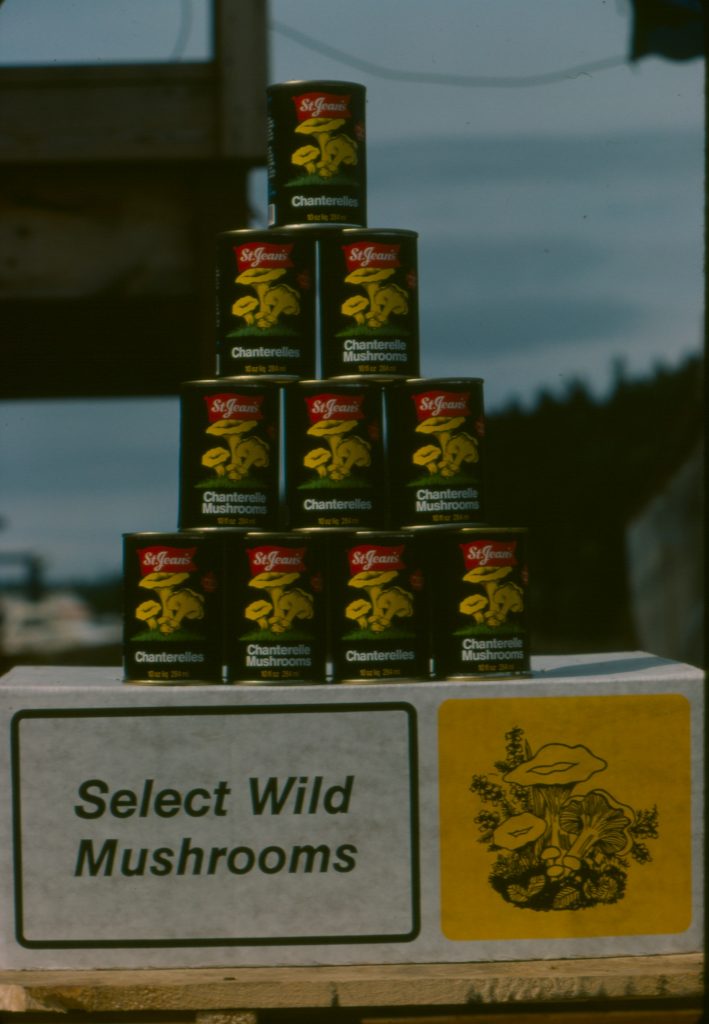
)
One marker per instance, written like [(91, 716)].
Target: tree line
[(576, 470)]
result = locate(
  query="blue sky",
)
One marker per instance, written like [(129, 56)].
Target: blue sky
[(560, 224)]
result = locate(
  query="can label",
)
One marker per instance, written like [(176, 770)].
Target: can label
[(275, 627), (265, 304), (316, 153), (229, 455), (173, 608), (369, 303), (480, 615), (380, 627), (436, 429), (334, 455)]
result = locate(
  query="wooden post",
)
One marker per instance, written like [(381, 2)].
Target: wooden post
[(114, 182)]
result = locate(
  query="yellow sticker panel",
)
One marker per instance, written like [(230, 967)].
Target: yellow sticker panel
[(565, 817)]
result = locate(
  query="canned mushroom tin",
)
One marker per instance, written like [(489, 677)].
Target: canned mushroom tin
[(435, 432), (275, 629), (480, 615), (334, 454), (368, 288), (379, 609), (229, 453), (317, 172), (173, 594), (266, 303)]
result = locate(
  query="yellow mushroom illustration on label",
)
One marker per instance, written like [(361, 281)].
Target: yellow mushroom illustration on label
[(286, 601), (371, 265), (233, 418), (333, 420), (559, 841), (174, 607), (330, 151), (324, 151), (449, 449), (444, 418), (270, 302), (377, 572), (379, 302), (497, 600), (269, 299), (492, 571)]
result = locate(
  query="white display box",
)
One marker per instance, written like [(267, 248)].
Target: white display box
[(554, 816)]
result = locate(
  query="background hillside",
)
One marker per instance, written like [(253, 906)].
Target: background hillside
[(578, 472)]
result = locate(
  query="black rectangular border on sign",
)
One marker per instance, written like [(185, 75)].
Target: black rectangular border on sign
[(221, 710)]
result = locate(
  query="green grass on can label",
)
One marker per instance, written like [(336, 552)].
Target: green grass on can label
[(265, 314), (368, 301), (275, 629), (317, 169), (480, 615), (436, 430), (334, 454), (229, 454), (379, 607), (173, 606)]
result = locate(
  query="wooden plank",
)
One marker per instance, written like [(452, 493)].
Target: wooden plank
[(87, 230), (101, 347), (226, 1017), (177, 111), (663, 979), (109, 276), (601, 1015), (143, 112)]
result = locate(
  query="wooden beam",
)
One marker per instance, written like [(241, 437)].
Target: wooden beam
[(100, 347), (190, 111), (240, 44), (143, 112), (472, 987), (108, 283)]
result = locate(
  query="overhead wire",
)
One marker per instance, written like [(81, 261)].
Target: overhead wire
[(434, 78)]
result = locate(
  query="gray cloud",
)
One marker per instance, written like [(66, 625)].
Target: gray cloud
[(547, 158), (487, 327)]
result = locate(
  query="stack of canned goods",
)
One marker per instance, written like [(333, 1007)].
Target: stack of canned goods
[(331, 523)]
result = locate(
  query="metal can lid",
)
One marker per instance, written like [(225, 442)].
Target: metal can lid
[(246, 233), (347, 382), (448, 528), (239, 380), (163, 535), (283, 536), (333, 83), (367, 232), (444, 381), (368, 378)]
